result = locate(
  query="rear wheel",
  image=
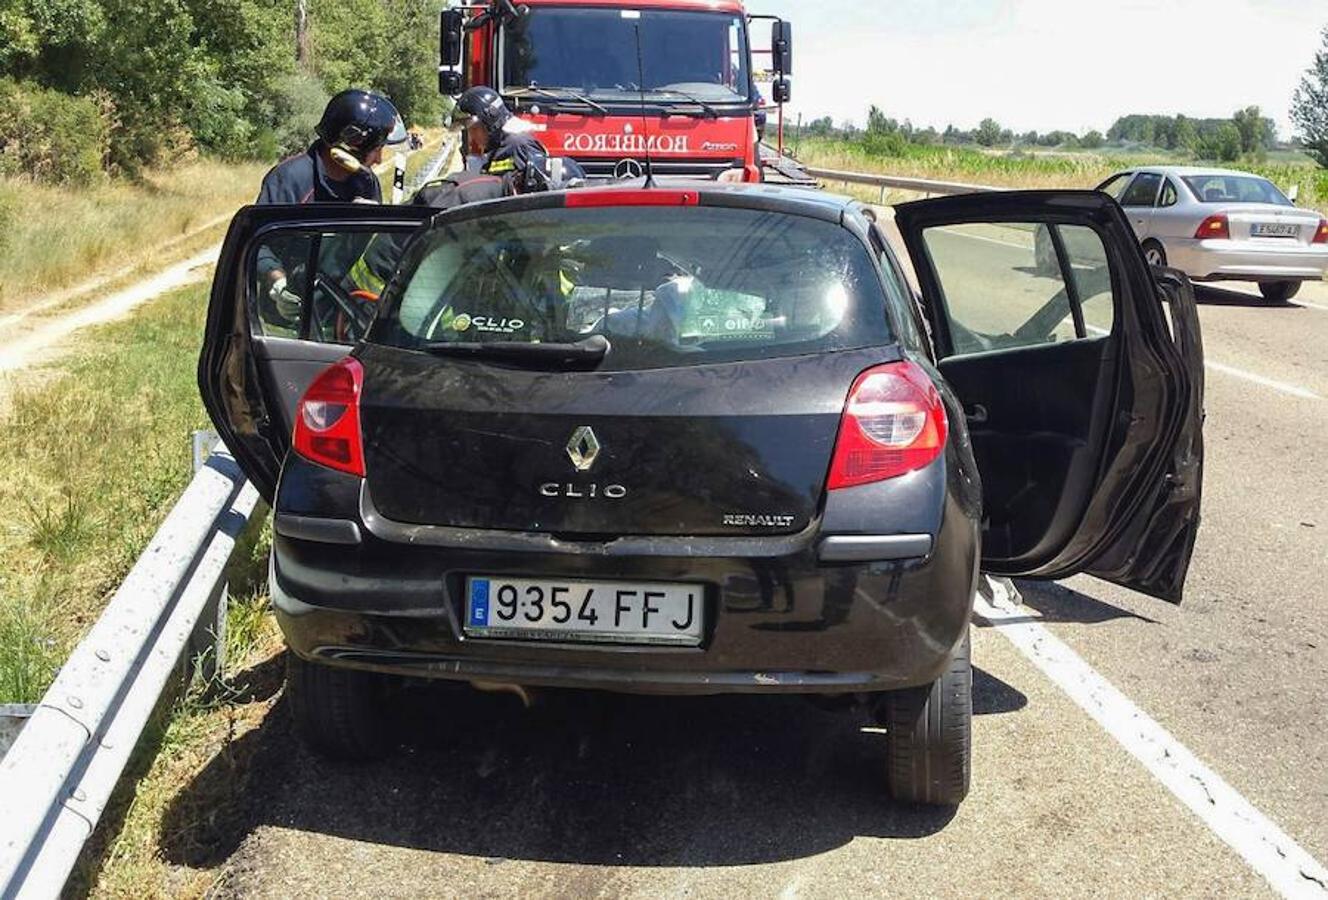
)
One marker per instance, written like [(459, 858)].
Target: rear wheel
[(1154, 253), (340, 713), (928, 741), (1278, 291)]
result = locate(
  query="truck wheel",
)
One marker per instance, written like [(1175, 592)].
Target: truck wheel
[(928, 740), (340, 713), (1279, 291), (1154, 254)]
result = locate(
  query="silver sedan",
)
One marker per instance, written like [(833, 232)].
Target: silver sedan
[(1220, 225)]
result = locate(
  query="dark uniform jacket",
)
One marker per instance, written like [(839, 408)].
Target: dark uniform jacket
[(303, 179)]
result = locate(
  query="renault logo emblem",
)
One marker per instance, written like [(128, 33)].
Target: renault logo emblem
[(628, 168), (583, 448)]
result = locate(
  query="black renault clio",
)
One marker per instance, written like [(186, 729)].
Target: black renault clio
[(697, 440)]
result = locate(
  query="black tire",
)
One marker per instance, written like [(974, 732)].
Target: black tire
[(1154, 253), (1279, 291), (340, 713), (929, 736)]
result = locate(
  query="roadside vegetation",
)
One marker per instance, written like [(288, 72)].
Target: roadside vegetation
[(995, 156), (51, 237), (92, 456)]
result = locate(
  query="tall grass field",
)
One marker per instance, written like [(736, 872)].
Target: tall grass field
[(1042, 168), (92, 456), (52, 236)]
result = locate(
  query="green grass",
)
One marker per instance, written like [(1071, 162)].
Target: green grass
[(1040, 169), (90, 462), (51, 237)]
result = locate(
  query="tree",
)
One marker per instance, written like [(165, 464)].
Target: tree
[(1309, 108), (1184, 136), (988, 133), (1222, 144), (1092, 140), (1256, 133)]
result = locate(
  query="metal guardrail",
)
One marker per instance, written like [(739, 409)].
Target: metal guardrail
[(884, 182), (57, 777), (430, 172)]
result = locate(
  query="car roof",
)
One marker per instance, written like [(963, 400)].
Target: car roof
[(768, 197), (1181, 171)]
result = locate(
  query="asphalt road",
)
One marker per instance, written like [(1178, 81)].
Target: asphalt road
[(596, 795)]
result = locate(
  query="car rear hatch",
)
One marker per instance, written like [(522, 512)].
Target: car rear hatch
[(1277, 226), (730, 448), (734, 336)]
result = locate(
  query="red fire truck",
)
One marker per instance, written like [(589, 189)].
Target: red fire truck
[(610, 83)]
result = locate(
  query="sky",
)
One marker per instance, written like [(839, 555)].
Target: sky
[(1045, 65)]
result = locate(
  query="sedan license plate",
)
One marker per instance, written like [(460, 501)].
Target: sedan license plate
[(620, 612), (1274, 229)]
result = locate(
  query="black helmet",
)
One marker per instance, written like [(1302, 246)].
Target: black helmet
[(485, 107), (360, 122)]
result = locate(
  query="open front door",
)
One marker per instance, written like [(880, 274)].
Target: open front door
[(1083, 396), (294, 291)]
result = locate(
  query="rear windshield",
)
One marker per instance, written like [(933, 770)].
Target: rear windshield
[(668, 286), (1235, 189)]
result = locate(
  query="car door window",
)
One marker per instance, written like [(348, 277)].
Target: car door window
[(320, 285), (1116, 185), (1014, 284), (1142, 191), (1170, 196)]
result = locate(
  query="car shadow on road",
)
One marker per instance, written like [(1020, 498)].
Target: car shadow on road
[(1207, 295), (581, 777), (1054, 602)]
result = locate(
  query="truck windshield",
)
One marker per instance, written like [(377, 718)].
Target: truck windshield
[(592, 50)]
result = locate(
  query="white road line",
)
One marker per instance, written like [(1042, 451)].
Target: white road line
[(1308, 305), (1027, 248), (1293, 390), (1271, 852)]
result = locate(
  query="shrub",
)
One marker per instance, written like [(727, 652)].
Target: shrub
[(51, 136)]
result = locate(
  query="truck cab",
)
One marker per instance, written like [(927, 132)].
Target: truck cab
[(613, 85)]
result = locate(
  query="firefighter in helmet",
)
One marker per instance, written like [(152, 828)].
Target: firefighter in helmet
[(336, 168)]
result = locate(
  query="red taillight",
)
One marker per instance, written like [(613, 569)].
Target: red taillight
[(1321, 236), (327, 421), (894, 422), (1215, 226), (633, 197)]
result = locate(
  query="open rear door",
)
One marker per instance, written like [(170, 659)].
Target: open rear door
[(293, 292), (1084, 397)]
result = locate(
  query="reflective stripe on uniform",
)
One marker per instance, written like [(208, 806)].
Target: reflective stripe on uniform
[(365, 278)]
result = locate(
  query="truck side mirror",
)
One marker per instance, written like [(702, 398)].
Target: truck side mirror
[(781, 47), (783, 90), (451, 34), (449, 82)]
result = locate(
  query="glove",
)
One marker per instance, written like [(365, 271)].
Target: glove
[(288, 303)]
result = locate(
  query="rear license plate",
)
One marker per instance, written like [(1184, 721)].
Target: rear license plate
[(619, 612), (1274, 229)]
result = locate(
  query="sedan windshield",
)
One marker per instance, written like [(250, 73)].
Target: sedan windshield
[(593, 50), (664, 286), (1235, 189)]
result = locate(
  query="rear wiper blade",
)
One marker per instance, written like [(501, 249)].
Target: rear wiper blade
[(561, 95), (586, 352)]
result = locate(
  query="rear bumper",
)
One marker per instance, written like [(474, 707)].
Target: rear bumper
[(1248, 260), (789, 618)]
